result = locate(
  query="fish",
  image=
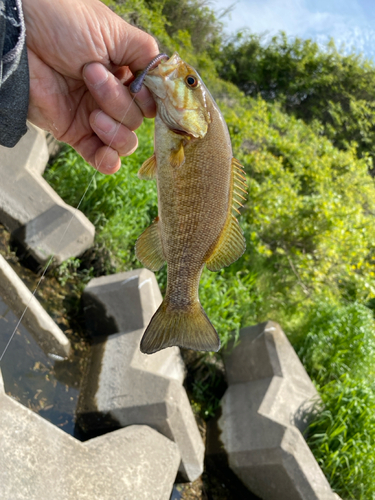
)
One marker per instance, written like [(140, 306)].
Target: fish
[(200, 186)]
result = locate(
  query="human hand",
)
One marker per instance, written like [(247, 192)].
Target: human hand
[(80, 55)]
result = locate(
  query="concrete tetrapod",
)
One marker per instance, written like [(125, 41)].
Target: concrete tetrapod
[(39, 461), (122, 386), (15, 294), (30, 208), (264, 411)]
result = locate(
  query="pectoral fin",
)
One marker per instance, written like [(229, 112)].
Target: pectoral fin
[(229, 248), (177, 157), (148, 169), (148, 248)]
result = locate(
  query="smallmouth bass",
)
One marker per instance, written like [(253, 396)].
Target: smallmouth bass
[(199, 185)]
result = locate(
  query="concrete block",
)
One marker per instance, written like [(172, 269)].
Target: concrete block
[(58, 231), (15, 294), (31, 209), (126, 385), (122, 302), (264, 411), (39, 461)]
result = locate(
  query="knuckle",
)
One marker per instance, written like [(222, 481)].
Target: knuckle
[(137, 122), (153, 46)]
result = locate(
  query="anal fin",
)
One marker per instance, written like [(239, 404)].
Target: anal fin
[(148, 169), (148, 248), (230, 246)]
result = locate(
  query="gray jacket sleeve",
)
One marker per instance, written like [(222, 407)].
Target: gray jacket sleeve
[(14, 73)]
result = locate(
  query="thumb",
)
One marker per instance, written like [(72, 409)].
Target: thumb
[(130, 46)]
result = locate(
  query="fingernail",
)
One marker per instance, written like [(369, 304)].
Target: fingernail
[(95, 74), (104, 123), (109, 161)]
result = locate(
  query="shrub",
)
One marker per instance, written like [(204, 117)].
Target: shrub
[(309, 218), (310, 82)]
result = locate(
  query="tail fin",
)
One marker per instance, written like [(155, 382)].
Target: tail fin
[(186, 328)]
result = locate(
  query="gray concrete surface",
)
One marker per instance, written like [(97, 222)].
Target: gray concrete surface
[(38, 461), (264, 411), (30, 208), (127, 385), (121, 302), (15, 294)]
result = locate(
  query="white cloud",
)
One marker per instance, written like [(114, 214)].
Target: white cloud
[(292, 16), (348, 21)]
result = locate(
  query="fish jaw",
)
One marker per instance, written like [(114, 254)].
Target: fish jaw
[(182, 109)]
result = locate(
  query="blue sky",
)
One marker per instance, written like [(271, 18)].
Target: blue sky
[(351, 22)]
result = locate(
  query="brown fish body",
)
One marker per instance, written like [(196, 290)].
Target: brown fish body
[(195, 180), (194, 201)]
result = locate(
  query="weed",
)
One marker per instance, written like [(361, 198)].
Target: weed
[(342, 437)]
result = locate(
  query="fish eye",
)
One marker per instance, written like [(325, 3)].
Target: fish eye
[(191, 81)]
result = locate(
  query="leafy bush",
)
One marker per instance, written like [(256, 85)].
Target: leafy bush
[(188, 27), (309, 219), (310, 82)]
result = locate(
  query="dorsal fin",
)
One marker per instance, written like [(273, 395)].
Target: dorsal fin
[(239, 186), (148, 248), (231, 244)]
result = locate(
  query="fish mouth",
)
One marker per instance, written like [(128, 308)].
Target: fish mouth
[(165, 68), (182, 132), (155, 79)]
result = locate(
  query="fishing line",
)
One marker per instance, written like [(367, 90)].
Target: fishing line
[(66, 230)]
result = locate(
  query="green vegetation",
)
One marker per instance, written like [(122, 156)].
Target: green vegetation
[(342, 437), (337, 347), (302, 124), (309, 82), (334, 341)]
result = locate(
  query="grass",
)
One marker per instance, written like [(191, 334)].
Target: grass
[(336, 345), (342, 437), (336, 340), (120, 205)]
